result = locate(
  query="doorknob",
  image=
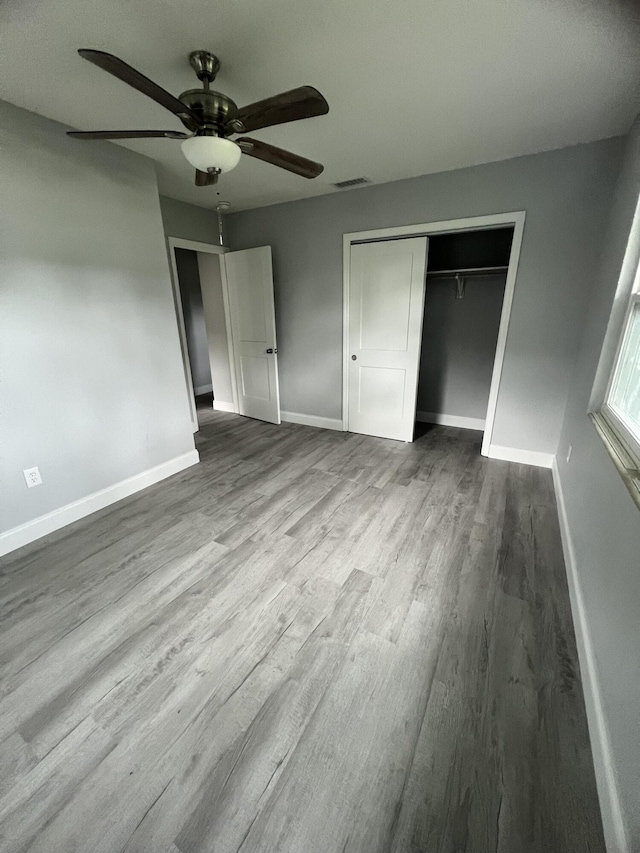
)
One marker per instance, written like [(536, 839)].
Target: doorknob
[(271, 350), (354, 358)]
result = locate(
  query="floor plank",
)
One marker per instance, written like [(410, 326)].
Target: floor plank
[(313, 641)]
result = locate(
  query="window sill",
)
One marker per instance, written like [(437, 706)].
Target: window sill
[(621, 458)]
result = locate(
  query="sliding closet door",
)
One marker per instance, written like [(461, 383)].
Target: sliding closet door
[(386, 302)]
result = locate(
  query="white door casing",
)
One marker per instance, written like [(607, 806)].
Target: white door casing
[(253, 329), (386, 305)]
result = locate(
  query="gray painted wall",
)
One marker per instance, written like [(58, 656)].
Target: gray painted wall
[(187, 221), (459, 339), (92, 384), (216, 329), (194, 324), (566, 195), (605, 523)]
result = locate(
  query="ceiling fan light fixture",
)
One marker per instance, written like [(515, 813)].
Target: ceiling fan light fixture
[(211, 152)]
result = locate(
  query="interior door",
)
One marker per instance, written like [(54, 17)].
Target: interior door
[(386, 304), (253, 331)]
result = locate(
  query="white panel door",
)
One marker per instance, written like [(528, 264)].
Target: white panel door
[(386, 303), (253, 332)]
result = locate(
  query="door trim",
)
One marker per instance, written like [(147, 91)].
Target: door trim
[(174, 243), (431, 229)]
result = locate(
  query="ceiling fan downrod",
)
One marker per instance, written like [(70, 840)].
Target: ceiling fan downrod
[(206, 66)]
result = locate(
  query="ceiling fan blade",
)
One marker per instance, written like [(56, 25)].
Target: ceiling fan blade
[(206, 179), (279, 157), (304, 102), (127, 134), (134, 78)]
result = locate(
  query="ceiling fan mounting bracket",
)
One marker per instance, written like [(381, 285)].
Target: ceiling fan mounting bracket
[(205, 64)]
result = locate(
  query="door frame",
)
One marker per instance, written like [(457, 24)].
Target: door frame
[(174, 243), (431, 229)]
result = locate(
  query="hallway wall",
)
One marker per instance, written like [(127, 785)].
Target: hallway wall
[(194, 323)]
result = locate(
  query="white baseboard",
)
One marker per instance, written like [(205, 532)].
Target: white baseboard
[(219, 406), (613, 823), (450, 420), (312, 420), (32, 530), (203, 389), (524, 457)]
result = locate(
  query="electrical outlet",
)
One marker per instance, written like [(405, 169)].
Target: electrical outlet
[(569, 452), (32, 476)]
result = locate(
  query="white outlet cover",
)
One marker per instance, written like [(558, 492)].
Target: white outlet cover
[(32, 477)]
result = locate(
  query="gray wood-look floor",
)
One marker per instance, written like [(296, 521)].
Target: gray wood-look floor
[(313, 642)]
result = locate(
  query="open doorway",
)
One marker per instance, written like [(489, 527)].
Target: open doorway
[(204, 326), (225, 309), (465, 285), (195, 326), (385, 287)]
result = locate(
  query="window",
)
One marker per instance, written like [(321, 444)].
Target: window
[(618, 419), (623, 401)]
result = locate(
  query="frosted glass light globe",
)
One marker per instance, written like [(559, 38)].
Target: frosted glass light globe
[(211, 152)]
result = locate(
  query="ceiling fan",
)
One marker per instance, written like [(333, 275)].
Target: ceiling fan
[(212, 117)]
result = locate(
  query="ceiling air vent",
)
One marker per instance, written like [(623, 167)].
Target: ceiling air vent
[(354, 182)]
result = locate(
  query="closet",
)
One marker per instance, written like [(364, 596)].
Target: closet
[(465, 284)]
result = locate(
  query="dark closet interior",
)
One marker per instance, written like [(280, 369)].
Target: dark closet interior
[(466, 278)]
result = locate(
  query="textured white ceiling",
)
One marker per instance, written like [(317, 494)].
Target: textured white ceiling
[(414, 86)]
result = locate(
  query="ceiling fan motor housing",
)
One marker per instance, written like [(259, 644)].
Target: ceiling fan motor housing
[(211, 108)]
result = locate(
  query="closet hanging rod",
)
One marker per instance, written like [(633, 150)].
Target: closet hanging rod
[(466, 272)]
